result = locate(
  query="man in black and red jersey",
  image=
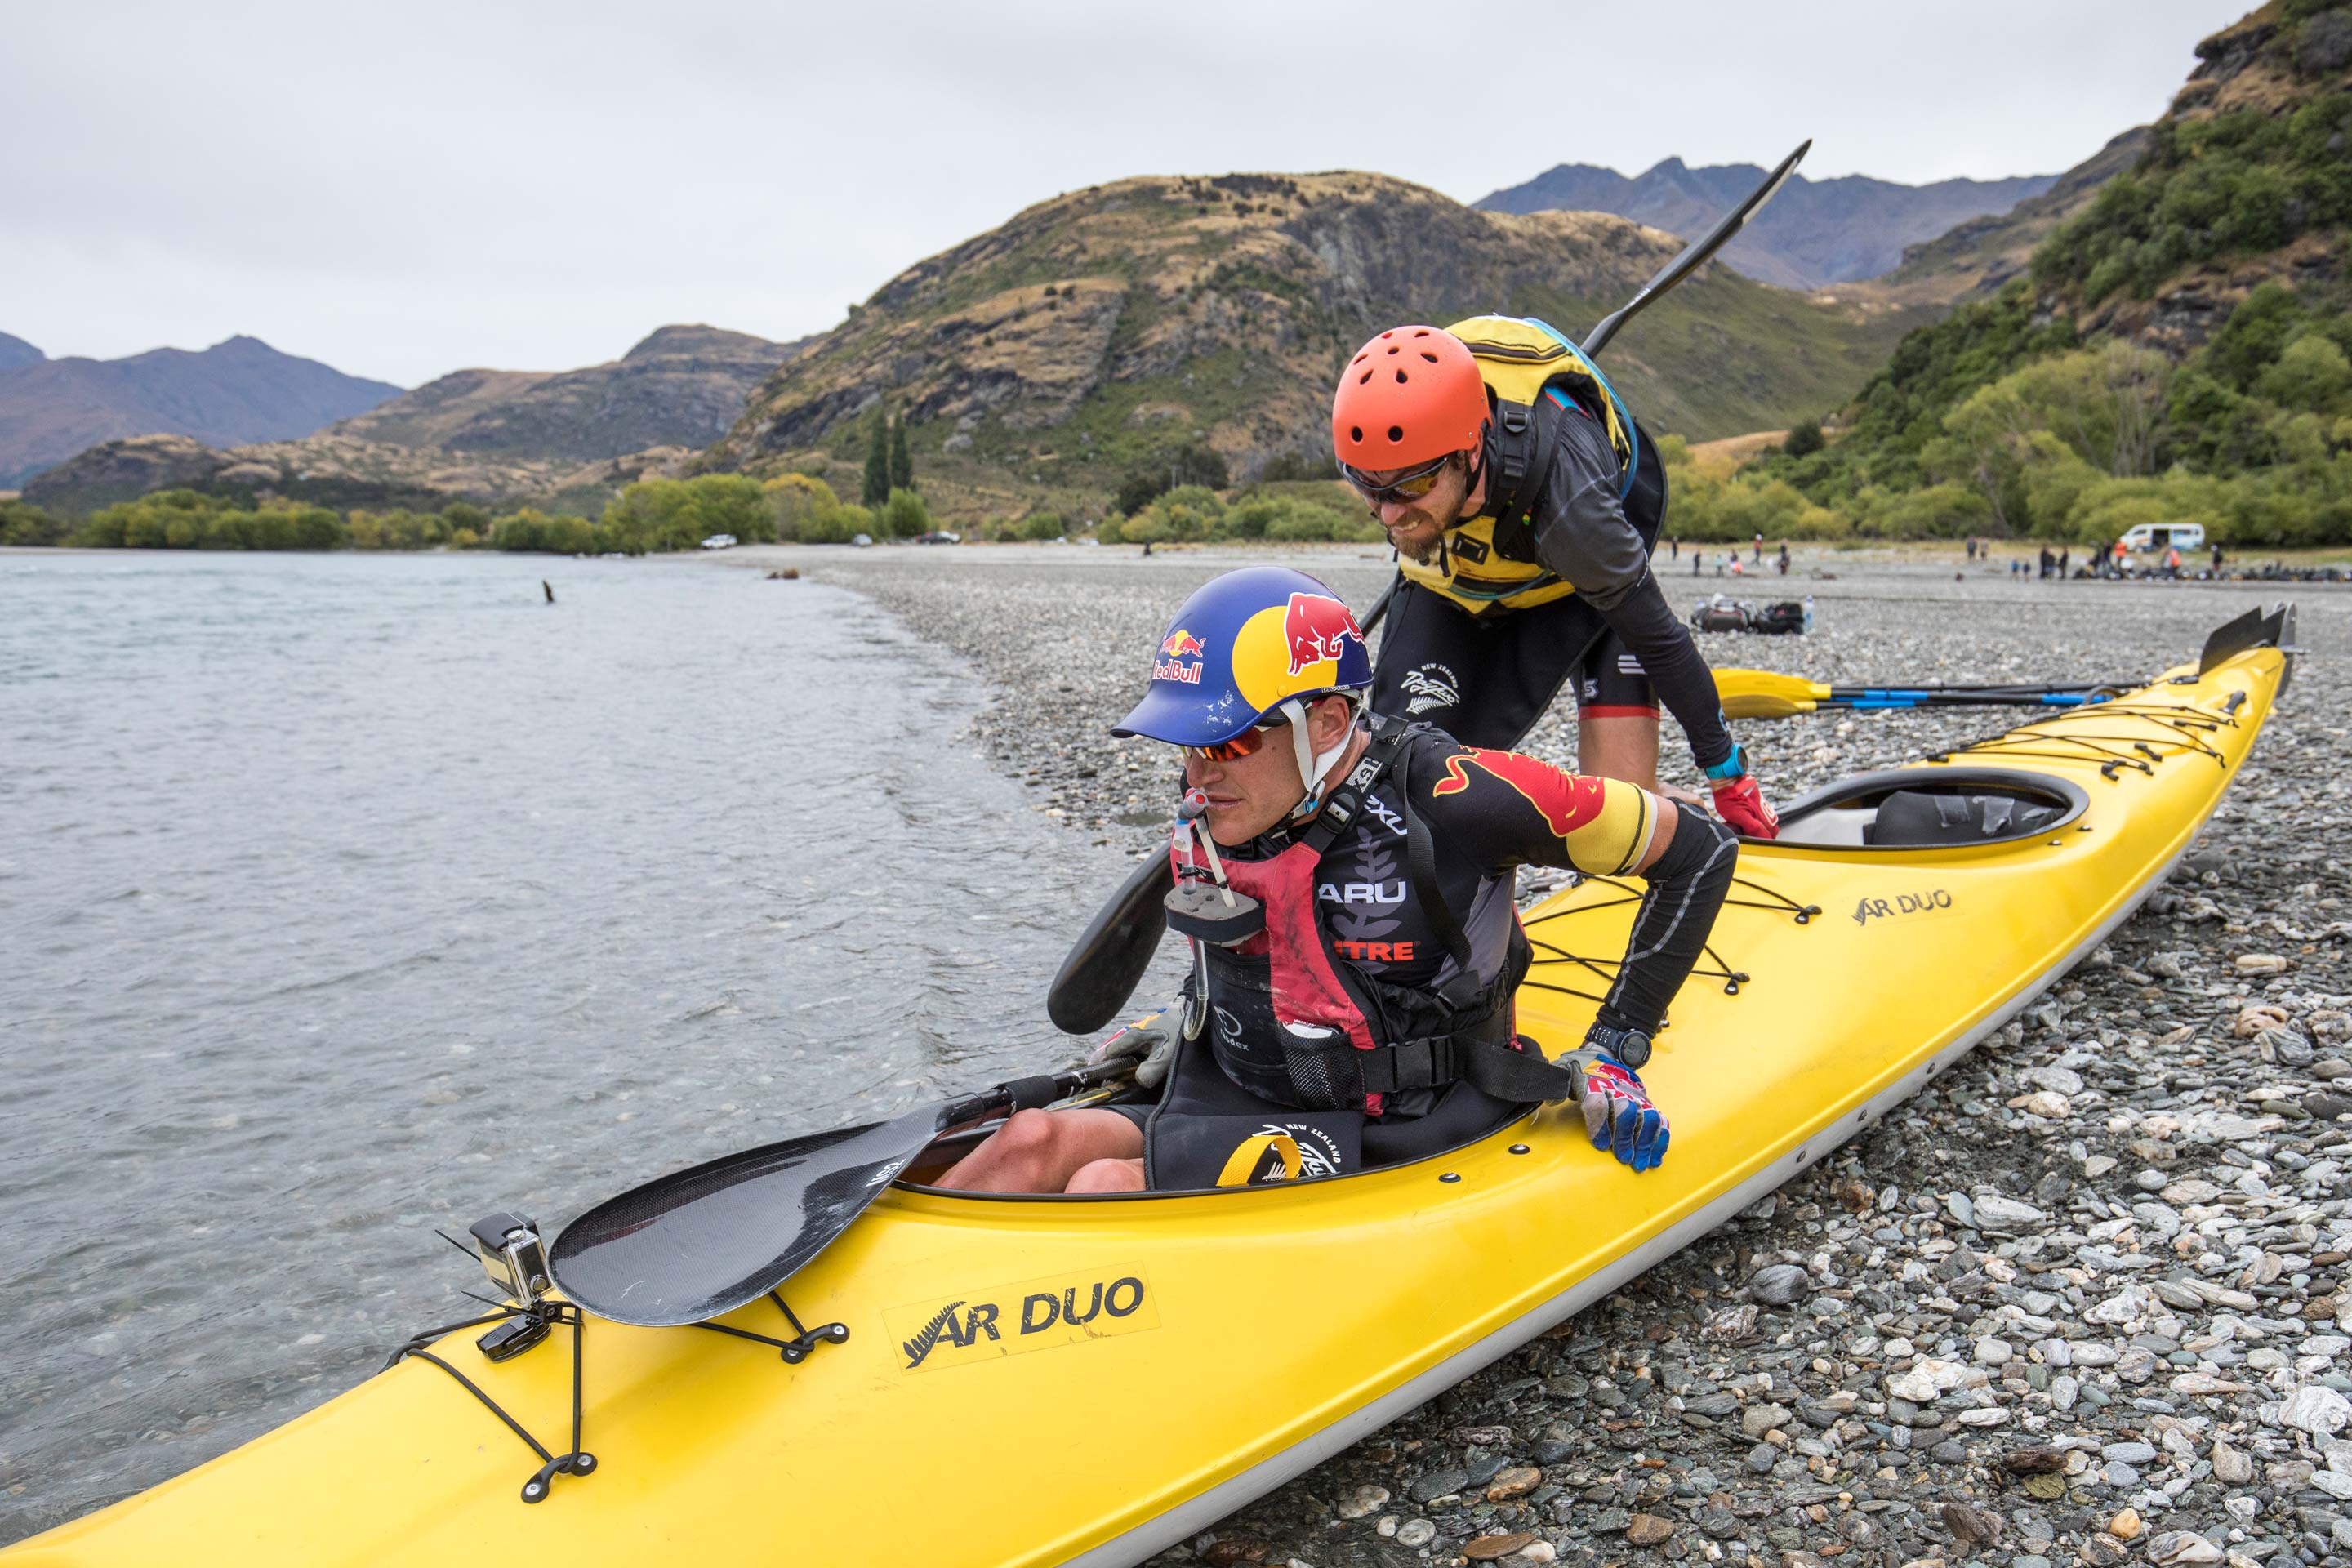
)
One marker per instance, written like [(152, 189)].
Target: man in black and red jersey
[(1347, 882)]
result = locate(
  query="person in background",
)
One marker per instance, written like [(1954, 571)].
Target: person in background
[(2217, 558), (2065, 555), (1784, 558)]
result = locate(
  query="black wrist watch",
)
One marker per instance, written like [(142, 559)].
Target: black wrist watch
[(1630, 1046)]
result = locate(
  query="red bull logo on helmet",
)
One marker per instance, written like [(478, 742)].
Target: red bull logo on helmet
[(1317, 628), (1180, 645)]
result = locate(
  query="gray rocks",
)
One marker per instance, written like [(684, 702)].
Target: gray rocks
[(1995, 1211), (2320, 1411), (1437, 1484), (1779, 1284)]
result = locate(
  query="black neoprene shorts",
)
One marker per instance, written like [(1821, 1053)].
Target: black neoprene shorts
[(1486, 679)]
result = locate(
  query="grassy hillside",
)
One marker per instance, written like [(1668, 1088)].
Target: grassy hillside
[(1104, 332), (2180, 351)]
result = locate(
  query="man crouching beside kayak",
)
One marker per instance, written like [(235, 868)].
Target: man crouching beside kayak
[(1347, 883)]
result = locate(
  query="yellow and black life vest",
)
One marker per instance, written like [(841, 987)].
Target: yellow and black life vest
[(1490, 561)]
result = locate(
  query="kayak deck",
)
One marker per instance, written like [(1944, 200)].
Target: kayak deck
[(1090, 1379)]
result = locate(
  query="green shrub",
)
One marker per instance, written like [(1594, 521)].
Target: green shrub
[(1043, 525), (23, 524), (797, 501), (904, 515)]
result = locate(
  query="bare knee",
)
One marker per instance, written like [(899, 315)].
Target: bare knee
[(1026, 1133), (1107, 1176)]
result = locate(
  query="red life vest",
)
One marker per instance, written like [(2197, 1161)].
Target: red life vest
[(1341, 1059)]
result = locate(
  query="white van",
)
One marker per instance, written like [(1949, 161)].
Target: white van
[(2165, 536)]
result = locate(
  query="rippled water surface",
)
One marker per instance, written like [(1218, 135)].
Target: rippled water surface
[(340, 898)]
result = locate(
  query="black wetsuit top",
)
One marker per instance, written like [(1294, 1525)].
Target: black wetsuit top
[(1582, 535)]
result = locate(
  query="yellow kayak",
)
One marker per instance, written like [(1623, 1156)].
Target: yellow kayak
[(1088, 1380)]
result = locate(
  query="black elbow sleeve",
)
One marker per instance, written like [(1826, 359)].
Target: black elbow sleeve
[(1688, 884)]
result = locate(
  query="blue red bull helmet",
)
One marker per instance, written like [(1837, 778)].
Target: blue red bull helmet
[(1242, 646)]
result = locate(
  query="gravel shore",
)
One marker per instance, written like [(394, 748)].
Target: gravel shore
[(2083, 1302)]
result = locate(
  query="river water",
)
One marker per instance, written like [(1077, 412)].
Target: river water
[(341, 897)]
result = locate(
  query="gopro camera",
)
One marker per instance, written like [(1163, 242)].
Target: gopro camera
[(515, 1260), (513, 1257)]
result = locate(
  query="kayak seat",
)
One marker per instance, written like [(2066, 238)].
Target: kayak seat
[(1919, 809), (1916, 816)]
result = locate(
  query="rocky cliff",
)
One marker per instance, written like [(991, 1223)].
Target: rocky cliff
[(1097, 331), (1813, 234), (2246, 180), (682, 387)]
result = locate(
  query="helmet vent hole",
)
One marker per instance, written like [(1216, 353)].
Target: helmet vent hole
[(1363, 378), (1396, 433), (1430, 357), (1355, 433), (1400, 378)]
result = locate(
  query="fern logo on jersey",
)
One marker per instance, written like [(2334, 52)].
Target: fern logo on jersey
[(1010, 1319)]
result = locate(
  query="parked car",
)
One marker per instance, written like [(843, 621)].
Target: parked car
[(719, 541), (2157, 536), (940, 536)]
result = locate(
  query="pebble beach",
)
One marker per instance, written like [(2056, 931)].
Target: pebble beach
[(2083, 1302)]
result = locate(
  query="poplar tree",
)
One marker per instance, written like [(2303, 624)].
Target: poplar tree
[(902, 461), (876, 488)]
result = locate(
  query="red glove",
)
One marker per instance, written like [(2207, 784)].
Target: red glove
[(1742, 805)]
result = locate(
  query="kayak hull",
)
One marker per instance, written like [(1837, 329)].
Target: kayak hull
[(1089, 1380)]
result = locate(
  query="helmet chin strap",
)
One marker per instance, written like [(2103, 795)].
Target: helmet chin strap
[(1312, 767)]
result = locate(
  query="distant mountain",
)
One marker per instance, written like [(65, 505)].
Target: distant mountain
[(14, 352), (567, 438), (1814, 233), (1977, 258), (237, 391), (682, 387)]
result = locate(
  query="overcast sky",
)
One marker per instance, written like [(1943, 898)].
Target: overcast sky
[(403, 190)]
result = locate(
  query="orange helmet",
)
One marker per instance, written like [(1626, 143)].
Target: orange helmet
[(1409, 397)]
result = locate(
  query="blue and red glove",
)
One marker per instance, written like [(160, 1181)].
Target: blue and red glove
[(1739, 801), (1619, 1115)]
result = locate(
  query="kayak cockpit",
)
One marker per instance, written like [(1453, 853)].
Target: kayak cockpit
[(1923, 808)]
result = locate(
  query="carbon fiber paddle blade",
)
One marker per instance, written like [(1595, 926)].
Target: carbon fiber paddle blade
[(698, 1243), (2231, 638), (1108, 961)]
